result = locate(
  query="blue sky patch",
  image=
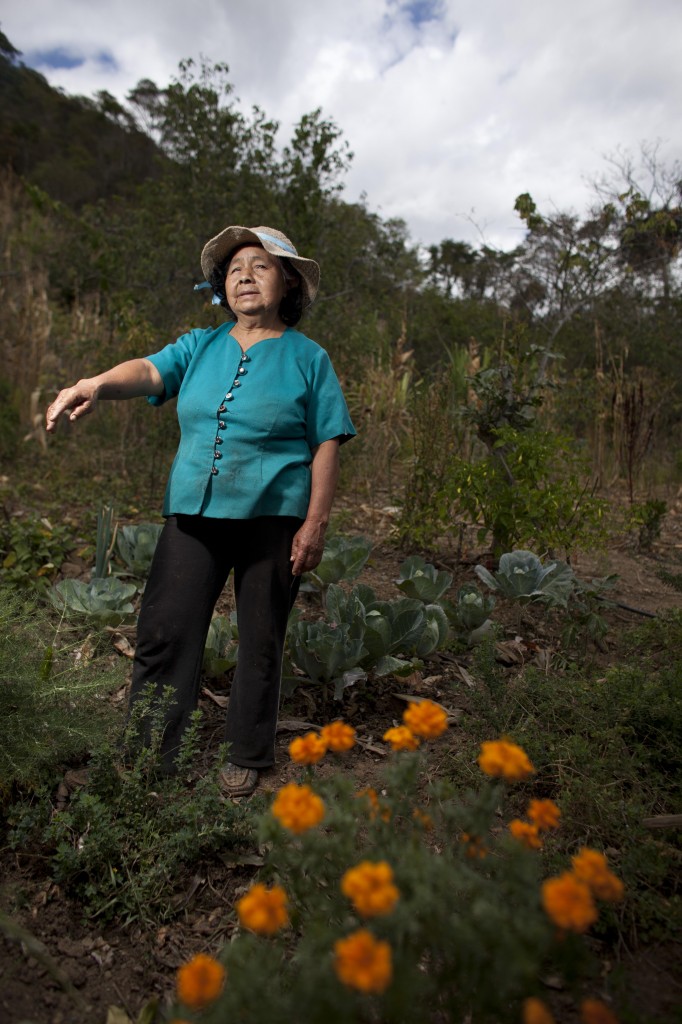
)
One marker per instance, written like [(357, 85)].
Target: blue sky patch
[(420, 11), (61, 57)]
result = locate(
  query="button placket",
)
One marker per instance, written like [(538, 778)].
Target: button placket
[(222, 409)]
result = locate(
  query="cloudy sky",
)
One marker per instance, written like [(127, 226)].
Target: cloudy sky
[(451, 107)]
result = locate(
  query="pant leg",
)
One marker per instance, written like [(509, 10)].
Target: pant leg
[(265, 591), (191, 563)]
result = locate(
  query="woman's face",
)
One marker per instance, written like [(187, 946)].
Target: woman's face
[(254, 282)]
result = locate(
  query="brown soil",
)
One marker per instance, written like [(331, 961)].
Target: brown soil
[(95, 966)]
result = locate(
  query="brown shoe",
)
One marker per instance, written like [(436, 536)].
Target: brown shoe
[(235, 780)]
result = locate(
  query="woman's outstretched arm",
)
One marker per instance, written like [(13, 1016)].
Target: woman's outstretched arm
[(132, 379)]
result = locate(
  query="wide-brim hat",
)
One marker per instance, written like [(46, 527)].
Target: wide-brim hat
[(215, 252)]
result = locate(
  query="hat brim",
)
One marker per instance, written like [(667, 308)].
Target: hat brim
[(217, 250)]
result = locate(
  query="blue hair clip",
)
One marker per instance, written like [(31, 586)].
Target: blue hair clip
[(216, 300)]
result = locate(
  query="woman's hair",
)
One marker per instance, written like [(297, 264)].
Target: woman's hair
[(291, 306)]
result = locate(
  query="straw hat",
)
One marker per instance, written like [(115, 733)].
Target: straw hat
[(216, 251)]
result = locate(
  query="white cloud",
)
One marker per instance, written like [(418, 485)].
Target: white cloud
[(447, 114)]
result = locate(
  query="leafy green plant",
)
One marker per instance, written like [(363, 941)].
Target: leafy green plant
[(422, 581), (136, 545), (222, 646), (522, 577), (647, 517), (106, 538), (327, 654), (343, 559), (607, 745), (31, 551), (52, 706), (125, 842), (105, 600), (390, 631), (470, 613)]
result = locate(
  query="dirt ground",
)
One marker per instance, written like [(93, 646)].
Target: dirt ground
[(97, 967)]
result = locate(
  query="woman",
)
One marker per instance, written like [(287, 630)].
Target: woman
[(251, 488)]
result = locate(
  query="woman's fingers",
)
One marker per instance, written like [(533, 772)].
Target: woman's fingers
[(75, 402)]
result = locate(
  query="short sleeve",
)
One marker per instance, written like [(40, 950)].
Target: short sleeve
[(327, 414), (172, 362)]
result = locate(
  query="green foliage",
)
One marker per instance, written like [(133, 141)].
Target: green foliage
[(471, 611), (343, 559), (124, 843), (136, 546), (31, 550), (52, 706), (647, 517), (522, 577), (222, 646), (529, 488), (107, 600), (607, 746), (422, 581), (327, 653)]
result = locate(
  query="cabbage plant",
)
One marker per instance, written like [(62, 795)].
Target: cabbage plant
[(222, 646), (327, 653), (107, 600), (522, 577), (422, 581), (136, 546), (344, 559)]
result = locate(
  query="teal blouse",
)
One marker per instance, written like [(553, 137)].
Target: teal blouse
[(248, 422)]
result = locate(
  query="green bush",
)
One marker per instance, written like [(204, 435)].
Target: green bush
[(125, 842), (53, 690)]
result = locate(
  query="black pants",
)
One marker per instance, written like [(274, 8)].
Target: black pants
[(191, 564)]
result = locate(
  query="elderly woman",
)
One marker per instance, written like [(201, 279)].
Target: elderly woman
[(261, 417)]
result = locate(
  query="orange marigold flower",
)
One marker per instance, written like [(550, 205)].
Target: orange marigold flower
[(544, 814), (298, 808), (308, 749), (591, 868), (200, 981), (593, 1011), (425, 719), (526, 833), (424, 819), (401, 738), (369, 886), (338, 736), (475, 846), (534, 1011), (375, 808), (363, 962), (568, 902), (506, 760), (263, 910)]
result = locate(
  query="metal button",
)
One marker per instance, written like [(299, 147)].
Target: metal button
[(244, 358), (218, 439), (241, 370), (237, 384), (221, 424), (217, 454), (214, 471), (229, 396), (222, 408)]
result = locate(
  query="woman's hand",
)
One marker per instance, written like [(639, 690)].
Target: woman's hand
[(77, 401), (307, 547), (131, 379)]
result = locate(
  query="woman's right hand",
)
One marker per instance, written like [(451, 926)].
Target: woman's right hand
[(75, 401)]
